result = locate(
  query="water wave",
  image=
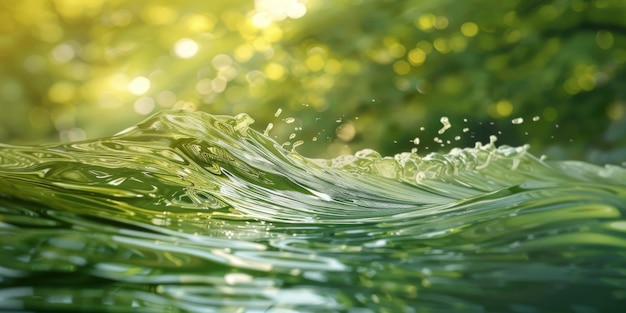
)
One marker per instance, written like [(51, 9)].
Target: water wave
[(193, 212)]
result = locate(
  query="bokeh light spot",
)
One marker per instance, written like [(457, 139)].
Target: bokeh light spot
[(34, 64), (272, 33), (549, 12), (425, 22), (243, 53), (397, 50), (441, 22), (417, 56), (261, 19), (255, 78), (513, 36), (73, 134), (159, 15), (199, 23), (401, 67), (278, 10), (228, 73), (615, 111), (144, 105), (185, 48), (221, 61), (346, 132), (586, 82), (550, 114), (504, 108), (315, 63), (274, 71), (333, 66), (402, 84), (510, 18), (571, 86), (297, 10), (166, 98), (469, 29), (458, 43), (219, 84), (204, 86), (121, 18), (425, 46), (604, 39), (63, 53), (139, 85), (441, 45)]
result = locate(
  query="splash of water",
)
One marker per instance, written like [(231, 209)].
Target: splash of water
[(192, 212)]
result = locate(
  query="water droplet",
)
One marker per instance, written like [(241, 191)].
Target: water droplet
[(292, 136), (277, 114), (314, 139), (296, 144), (289, 120), (492, 139), (517, 121), (465, 130), (268, 128), (416, 141), (457, 138), (535, 118), (446, 125)]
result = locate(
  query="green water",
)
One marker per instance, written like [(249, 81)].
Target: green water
[(189, 212)]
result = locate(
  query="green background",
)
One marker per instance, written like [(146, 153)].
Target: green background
[(346, 74)]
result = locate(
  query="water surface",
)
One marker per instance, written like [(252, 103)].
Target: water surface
[(190, 212)]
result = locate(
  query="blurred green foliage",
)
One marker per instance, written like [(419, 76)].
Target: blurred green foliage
[(347, 74)]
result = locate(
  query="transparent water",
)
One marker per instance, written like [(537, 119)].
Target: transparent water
[(189, 212)]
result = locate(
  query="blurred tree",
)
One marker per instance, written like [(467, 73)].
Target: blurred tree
[(351, 73)]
